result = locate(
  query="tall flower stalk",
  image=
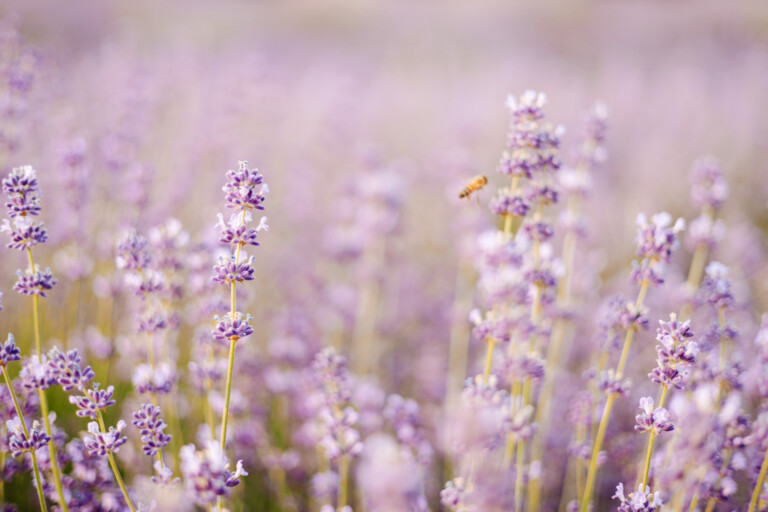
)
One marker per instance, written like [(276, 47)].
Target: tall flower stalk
[(709, 190), (656, 241), (65, 370), (676, 352), (244, 192), (575, 183), (23, 203), (21, 439)]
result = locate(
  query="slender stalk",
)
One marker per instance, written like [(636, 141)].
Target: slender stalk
[(649, 452), (225, 416), (41, 393), (726, 460), (600, 436), (759, 484), (120, 482), (111, 457), (592, 472), (341, 500), (519, 476), (694, 502), (488, 359), (35, 467), (230, 368)]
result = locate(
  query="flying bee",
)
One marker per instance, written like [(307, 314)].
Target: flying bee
[(476, 184)]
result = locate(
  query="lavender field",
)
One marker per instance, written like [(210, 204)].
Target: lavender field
[(384, 256)]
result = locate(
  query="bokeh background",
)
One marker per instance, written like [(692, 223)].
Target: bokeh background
[(400, 101)]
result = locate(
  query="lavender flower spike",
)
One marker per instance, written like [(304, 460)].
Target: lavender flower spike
[(147, 420), (638, 501), (21, 441), (652, 420), (9, 352), (100, 443)]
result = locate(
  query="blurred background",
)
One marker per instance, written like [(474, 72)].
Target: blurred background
[(366, 119)]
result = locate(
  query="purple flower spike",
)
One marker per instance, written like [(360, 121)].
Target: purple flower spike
[(21, 181), (232, 330), (228, 271), (245, 189), (94, 400), (708, 186), (638, 501), (24, 233), (652, 420), (20, 442), (506, 203), (99, 443), (132, 252), (35, 283), (608, 383), (716, 287), (23, 193), (676, 353), (206, 472), (656, 241), (147, 420), (37, 375), (9, 352), (65, 368)]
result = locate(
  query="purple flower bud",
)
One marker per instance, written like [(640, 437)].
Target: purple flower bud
[(19, 442), (716, 286), (608, 383), (206, 472), (232, 330), (99, 443), (132, 252), (9, 352), (539, 231), (94, 399), (24, 233), (658, 239), (34, 283), (708, 186), (641, 500), (36, 375), (21, 181), (650, 419), (505, 203), (147, 420), (245, 189), (227, 271), (23, 192), (65, 368)]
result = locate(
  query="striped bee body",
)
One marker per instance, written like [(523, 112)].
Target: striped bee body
[(476, 184)]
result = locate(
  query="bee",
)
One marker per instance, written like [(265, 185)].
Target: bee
[(476, 184)]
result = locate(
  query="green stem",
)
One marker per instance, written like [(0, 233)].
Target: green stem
[(225, 415), (649, 452), (592, 472), (488, 360), (341, 500), (35, 467), (41, 393), (115, 470), (519, 475), (759, 484)]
